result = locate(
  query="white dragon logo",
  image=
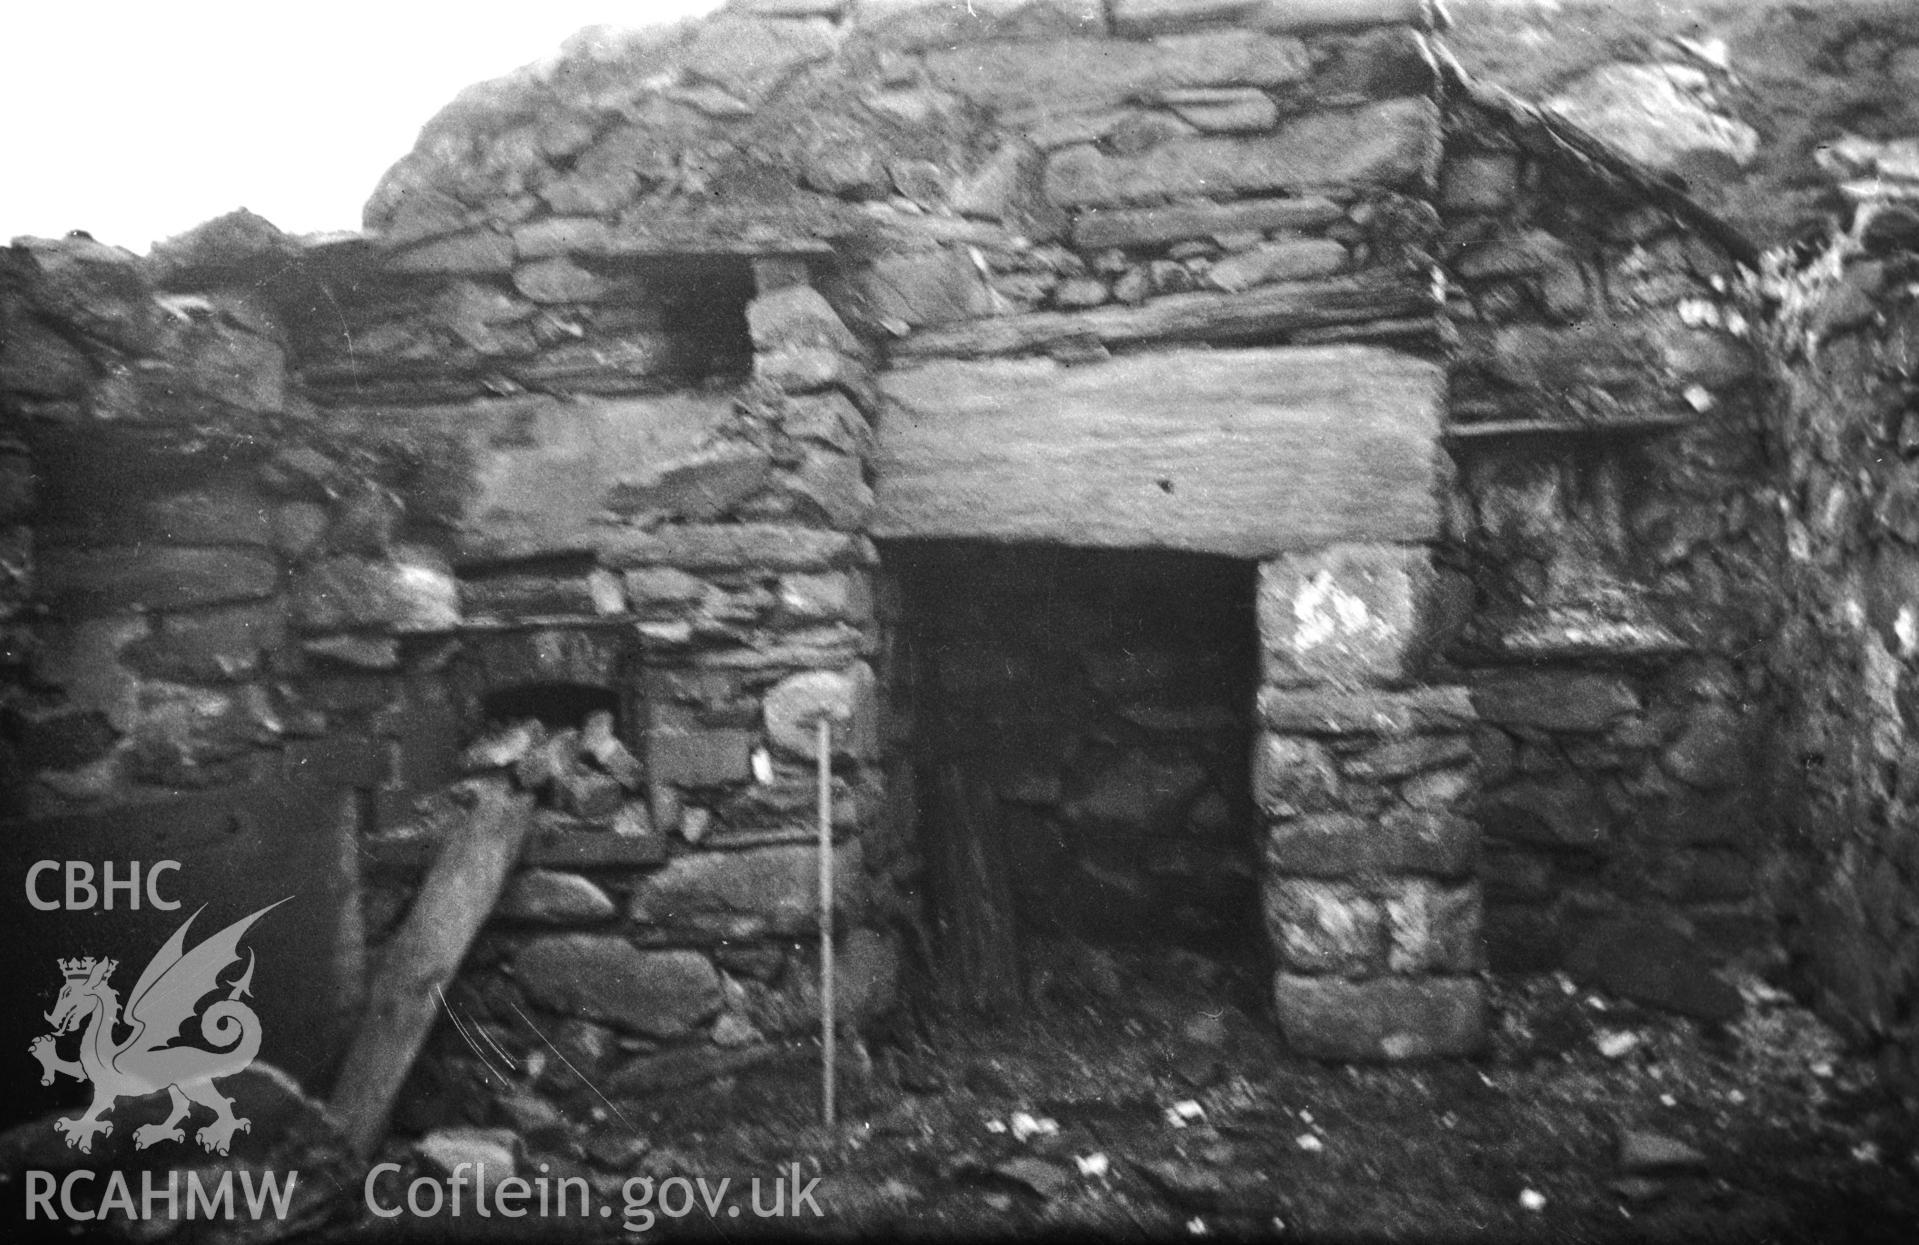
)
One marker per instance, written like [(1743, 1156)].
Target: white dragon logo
[(166, 996)]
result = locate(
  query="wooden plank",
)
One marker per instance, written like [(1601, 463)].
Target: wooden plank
[(1263, 313), (454, 901), (1248, 453), (972, 893), (547, 847)]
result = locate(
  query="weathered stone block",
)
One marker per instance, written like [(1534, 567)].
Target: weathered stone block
[(83, 583), (755, 893), (558, 280), (1323, 711), (211, 357), (900, 292), (682, 751), (1346, 845), (1150, 17), (798, 316), (589, 795), (218, 250), (82, 659), (549, 897), (1324, 444), (812, 369), (833, 596), (846, 698), (1324, 927), (1400, 758), (36, 360), (119, 497), (697, 488), (1562, 812), (1708, 357), (1293, 776), (1222, 110), (747, 57), (1433, 928), (595, 593), (1159, 17), (1309, 313), (1005, 188), (1713, 751), (1520, 254), (1293, 260), (102, 289), (183, 730), (225, 643), (562, 235), (1392, 144), (661, 994), (1553, 700), (1379, 62), (536, 478), (1016, 75), (476, 252), (1384, 1018), (412, 592), (867, 976), (663, 591), (1151, 226), (1347, 616), (834, 488), (1440, 790), (830, 419), (1651, 113)]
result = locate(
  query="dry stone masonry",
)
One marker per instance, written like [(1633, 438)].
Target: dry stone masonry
[(1847, 349), (1607, 405), (1362, 779), (1258, 460)]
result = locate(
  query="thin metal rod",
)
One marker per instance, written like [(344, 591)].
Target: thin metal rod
[(824, 744)]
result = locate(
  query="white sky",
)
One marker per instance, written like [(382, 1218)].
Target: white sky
[(138, 119)]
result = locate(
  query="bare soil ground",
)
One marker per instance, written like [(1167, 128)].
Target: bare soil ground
[(1145, 1097)]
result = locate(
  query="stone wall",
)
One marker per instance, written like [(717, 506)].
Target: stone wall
[(204, 572), (256, 527), (198, 583), (1847, 342), (157, 557), (661, 585), (1607, 401), (1364, 779), (563, 475), (1257, 177)]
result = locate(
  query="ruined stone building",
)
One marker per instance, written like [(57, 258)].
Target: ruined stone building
[(1224, 475)]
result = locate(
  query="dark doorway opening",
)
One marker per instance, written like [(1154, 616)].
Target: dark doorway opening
[(1083, 724)]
